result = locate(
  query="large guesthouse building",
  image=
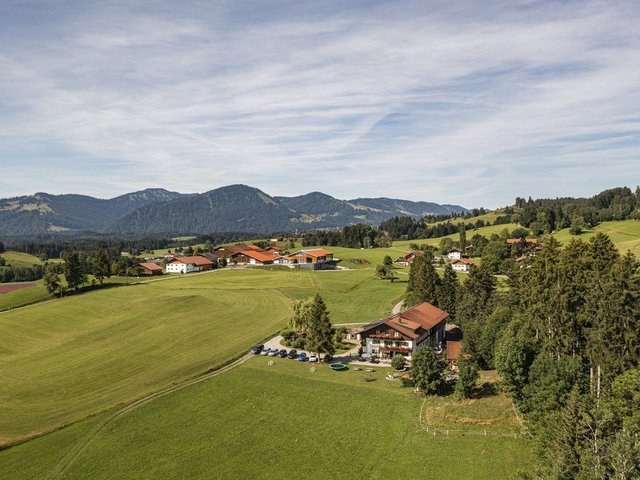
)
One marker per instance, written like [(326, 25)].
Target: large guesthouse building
[(404, 332)]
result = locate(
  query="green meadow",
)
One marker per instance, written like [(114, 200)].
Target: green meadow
[(625, 234), (65, 359), (20, 259), (261, 421)]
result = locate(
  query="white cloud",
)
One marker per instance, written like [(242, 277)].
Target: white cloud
[(431, 102)]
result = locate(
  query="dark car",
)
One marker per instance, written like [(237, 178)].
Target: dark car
[(327, 358), (282, 353), (256, 349), (292, 354), (302, 357), (265, 351)]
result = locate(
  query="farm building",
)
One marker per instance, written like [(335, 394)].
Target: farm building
[(408, 259), (315, 259), (189, 264), (150, 268), (462, 265), (405, 332), (454, 254), (257, 258)]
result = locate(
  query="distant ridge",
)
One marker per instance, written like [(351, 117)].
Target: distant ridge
[(237, 208)]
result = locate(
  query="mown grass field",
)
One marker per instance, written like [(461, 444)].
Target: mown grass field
[(625, 234), (280, 421), (20, 259), (67, 358)]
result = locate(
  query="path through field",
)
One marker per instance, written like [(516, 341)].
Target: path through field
[(73, 453)]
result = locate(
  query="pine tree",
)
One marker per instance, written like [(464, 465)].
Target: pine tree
[(467, 377), (448, 291), (319, 335), (423, 282)]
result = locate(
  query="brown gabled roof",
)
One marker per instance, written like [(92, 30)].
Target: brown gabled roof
[(251, 246), (465, 261), (231, 248), (414, 321), (196, 260), (261, 256), (274, 249), (154, 267), (427, 315), (315, 252), (512, 241)]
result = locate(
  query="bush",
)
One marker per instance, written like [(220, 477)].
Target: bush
[(299, 343), (398, 362), (288, 334), (407, 382)]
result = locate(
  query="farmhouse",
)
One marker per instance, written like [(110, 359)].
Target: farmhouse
[(462, 265), (454, 254), (315, 259), (405, 332), (257, 258), (150, 268), (227, 251), (189, 264), (408, 259)]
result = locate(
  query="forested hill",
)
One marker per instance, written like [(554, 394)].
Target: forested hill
[(235, 208)]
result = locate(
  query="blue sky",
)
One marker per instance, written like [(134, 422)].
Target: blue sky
[(472, 103)]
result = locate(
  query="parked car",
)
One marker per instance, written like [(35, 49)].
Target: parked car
[(302, 357), (327, 358), (273, 352), (292, 354), (265, 351), (282, 353), (313, 357), (256, 349)]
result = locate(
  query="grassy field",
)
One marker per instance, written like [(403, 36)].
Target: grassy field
[(19, 259), (67, 358), (260, 421), (24, 296), (625, 234)]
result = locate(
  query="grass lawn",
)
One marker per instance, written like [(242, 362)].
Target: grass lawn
[(283, 421), (67, 358), (625, 234), (19, 259), (24, 296)]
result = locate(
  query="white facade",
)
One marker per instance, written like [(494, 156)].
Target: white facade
[(179, 267), (454, 255), (461, 266)]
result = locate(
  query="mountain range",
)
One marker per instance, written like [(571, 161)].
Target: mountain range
[(234, 208)]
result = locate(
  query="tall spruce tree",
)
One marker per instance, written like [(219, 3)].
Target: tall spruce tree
[(319, 335), (101, 266), (423, 282), (448, 291)]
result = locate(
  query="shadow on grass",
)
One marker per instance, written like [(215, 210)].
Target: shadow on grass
[(487, 389)]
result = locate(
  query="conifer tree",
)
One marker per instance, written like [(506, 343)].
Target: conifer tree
[(101, 266), (319, 336), (448, 291), (423, 282), (74, 270)]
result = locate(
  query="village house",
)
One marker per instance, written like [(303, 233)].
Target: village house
[(314, 259), (150, 268), (188, 264), (251, 257), (462, 265), (404, 333), (408, 259), (454, 254), (226, 251)]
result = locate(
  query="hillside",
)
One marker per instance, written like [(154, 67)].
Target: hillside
[(234, 208), (45, 213)]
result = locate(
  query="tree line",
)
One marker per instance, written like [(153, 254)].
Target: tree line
[(565, 338)]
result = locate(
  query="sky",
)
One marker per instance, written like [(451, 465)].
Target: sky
[(470, 103)]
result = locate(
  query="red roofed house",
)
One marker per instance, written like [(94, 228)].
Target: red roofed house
[(227, 250), (462, 265), (313, 258), (188, 264), (405, 332), (408, 259), (254, 258), (150, 268)]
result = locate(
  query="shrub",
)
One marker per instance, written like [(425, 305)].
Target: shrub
[(398, 362)]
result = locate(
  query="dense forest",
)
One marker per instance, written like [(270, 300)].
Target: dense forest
[(565, 338)]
